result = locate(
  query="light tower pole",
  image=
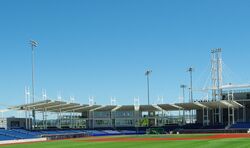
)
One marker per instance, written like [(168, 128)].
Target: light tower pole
[(183, 92), (148, 72), (190, 70), (33, 45), (183, 101), (216, 61)]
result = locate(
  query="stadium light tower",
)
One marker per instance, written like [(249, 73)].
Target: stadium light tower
[(183, 92), (33, 45), (183, 87), (190, 70), (147, 73)]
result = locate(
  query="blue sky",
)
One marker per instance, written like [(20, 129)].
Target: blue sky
[(103, 47)]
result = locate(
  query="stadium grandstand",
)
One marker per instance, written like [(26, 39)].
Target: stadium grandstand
[(227, 110), (72, 115)]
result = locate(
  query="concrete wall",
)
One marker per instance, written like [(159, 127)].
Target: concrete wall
[(22, 141)]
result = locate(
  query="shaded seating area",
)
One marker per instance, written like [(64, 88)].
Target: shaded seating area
[(241, 125), (193, 126), (15, 135)]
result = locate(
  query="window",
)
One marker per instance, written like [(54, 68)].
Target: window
[(248, 96), (15, 124)]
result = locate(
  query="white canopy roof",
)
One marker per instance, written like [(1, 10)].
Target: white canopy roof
[(61, 106)]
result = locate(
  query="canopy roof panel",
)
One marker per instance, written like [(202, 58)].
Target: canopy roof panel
[(149, 108), (188, 106), (86, 108), (106, 108), (30, 105), (61, 106), (45, 105), (213, 104), (73, 108), (169, 107), (126, 108)]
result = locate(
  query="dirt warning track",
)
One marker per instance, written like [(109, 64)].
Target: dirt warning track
[(142, 139)]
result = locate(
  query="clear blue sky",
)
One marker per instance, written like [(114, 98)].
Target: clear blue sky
[(103, 47)]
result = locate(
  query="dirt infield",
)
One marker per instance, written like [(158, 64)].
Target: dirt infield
[(141, 139)]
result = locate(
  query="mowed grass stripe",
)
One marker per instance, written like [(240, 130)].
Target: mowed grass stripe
[(232, 143), (221, 143), (151, 136)]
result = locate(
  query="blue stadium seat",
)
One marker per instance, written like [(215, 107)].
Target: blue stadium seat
[(241, 125)]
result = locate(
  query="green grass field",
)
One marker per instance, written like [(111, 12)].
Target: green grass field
[(221, 143)]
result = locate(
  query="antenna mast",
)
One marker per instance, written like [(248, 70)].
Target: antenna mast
[(59, 96), (113, 101), (72, 99), (91, 100), (44, 94), (27, 95), (160, 100)]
